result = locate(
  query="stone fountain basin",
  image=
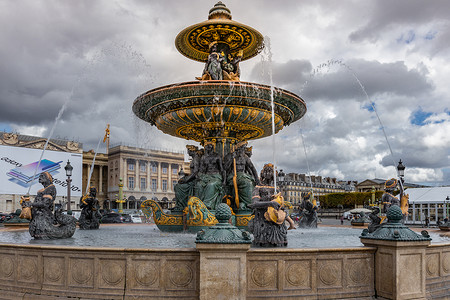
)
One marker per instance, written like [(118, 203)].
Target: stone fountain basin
[(140, 262), (229, 109), (147, 236)]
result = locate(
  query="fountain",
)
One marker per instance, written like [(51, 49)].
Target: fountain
[(221, 113), (142, 261)]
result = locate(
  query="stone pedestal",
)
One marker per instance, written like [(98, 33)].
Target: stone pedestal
[(223, 259), (223, 271), (399, 259), (399, 268)]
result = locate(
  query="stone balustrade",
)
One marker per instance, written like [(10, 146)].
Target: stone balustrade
[(27, 271)]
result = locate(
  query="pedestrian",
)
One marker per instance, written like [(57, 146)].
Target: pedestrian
[(427, 222), (342, 220)]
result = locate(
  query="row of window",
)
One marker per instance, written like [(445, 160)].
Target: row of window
[(143, 183), (143, 168), (291, 193)]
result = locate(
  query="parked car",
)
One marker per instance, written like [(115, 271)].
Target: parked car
[(4, 217), (127, 218), (111, 218), (136, 219)]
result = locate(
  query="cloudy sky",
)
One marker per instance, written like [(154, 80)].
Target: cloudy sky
[(374, 75)]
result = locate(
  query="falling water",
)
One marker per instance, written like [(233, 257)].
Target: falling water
[(61, 111), (92, 166), (353, 73), (89, 65), (307, 164), (268, 52)]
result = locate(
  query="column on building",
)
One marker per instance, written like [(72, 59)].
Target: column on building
[(149, 179), (137, 180), (169, 178), (436, 215), (159, 186), (100, 179), (420, 212)]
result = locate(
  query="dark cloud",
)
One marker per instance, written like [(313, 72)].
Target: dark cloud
[(343, 80)]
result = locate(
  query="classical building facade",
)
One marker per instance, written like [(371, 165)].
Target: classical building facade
[(378, 184), (146, 174), (295, 184), (99, 175)]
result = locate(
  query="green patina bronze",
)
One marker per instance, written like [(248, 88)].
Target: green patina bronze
[(219, 110), (394, 230), (223, 232)]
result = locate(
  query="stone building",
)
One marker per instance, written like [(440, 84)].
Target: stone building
[(378, 184), (295, 184), (146, 174), (99, 176), (369, 184)]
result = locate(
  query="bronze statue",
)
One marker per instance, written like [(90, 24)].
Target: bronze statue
[(375, 220), (213, 66), (185, 187), (209, 187), (308, 212), (268, 225), (44, 224), (241, 175), (388, 198), (90, 211), (230, 66)]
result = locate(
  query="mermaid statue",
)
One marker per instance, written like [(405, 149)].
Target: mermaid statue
[(268, 226)]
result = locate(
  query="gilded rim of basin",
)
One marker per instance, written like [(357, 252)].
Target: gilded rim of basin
[(196, 110), (193, 41)]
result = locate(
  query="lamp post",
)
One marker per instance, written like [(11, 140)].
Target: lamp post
[(68, 169), (447, 202), (121, 199), (373, 196), (280, 179), (401, 175)]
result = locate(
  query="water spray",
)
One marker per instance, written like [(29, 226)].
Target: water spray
[(268, 51)]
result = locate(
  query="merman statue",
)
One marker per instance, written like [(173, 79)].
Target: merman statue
[(44, 224), (209, 187), (185, 187), (90, 211), (268, 226), (241, 175)]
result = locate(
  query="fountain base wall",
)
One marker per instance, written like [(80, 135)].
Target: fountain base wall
[(98, 273)]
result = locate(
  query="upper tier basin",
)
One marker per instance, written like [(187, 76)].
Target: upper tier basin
[(200, 110)]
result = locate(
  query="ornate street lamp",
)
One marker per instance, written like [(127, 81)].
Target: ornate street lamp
[(121, 198), (447, 202), (281, 176), (401, 175), (280, 179), (401, 170), (68, 169)]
